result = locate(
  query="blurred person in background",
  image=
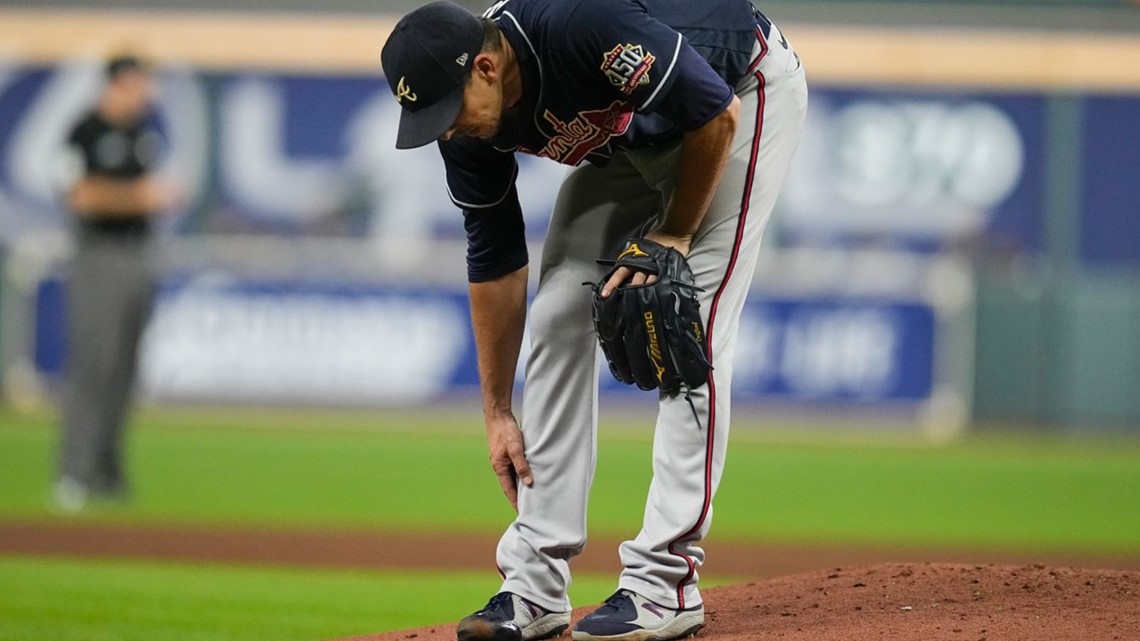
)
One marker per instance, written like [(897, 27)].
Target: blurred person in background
[(113, 193)]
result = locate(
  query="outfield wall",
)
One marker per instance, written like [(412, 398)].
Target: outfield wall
[(835, 55)]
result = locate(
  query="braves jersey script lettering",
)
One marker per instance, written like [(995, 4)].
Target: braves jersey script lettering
[(574, 140)]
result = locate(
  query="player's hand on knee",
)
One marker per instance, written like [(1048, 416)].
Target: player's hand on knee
[(508, 456)]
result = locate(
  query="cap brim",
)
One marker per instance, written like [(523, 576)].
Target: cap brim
[(418, 128)]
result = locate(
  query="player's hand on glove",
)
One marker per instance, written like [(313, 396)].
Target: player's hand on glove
[(508, 458), (650, 326), (638, 277)]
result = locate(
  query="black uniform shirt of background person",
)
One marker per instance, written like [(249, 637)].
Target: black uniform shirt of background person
[(118, 151), (598, 76)]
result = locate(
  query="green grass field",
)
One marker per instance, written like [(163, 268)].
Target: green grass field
[(409, 471), (91, 600)]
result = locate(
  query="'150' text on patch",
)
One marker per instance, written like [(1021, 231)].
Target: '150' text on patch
[(627, 67)]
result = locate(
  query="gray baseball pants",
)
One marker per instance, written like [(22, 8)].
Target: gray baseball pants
[(596, 210), (110, 293)]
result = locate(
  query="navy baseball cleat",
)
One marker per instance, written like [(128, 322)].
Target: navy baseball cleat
[(509, 617), (628, 616)]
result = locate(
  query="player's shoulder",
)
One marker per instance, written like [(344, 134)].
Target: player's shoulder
[(587, 15), (575, 22), (546, 8), (549, 16), (88, 127)]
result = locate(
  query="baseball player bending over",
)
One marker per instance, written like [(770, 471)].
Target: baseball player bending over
[(681, 119)]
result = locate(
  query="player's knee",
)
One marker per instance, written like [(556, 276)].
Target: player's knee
[(561, 320)]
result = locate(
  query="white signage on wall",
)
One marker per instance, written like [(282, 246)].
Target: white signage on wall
[(294, 346), (932, 168)]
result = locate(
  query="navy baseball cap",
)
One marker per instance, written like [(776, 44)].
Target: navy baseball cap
[(427, 60)]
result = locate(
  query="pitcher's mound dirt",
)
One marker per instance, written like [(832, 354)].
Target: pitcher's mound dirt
[(913, 603)]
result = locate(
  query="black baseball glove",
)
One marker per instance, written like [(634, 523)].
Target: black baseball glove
[(652, 335)]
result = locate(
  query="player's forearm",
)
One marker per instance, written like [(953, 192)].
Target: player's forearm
[(498, 317), (115, 196), (704, 152)]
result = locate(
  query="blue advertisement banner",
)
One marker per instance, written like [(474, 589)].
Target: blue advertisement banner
[(1110, 195), (266, 153), (917, 169), (831, 350), (291, 154), (221, 339)]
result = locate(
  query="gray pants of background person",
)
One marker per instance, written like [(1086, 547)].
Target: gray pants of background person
[(597, 208), (111, 287)]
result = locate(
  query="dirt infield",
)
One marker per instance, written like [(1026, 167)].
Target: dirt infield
[(822, 593), (912, 602), (435, 551)]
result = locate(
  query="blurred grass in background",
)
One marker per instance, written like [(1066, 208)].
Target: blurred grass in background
[(426, 470)]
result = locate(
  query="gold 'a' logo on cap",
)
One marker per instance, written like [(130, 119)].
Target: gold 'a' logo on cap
[(404, 91)]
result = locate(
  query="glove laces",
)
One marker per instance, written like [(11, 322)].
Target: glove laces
[(693, 407)]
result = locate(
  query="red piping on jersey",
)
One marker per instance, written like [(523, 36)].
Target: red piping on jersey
[(709, 439)]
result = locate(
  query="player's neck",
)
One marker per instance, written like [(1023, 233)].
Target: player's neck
[(512, 75), (114, 112)]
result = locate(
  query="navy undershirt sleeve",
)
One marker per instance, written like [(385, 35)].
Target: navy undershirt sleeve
[(697, 95), (496, 240), (481, 182)]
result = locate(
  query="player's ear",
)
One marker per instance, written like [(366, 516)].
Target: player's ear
[(485, 66)]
